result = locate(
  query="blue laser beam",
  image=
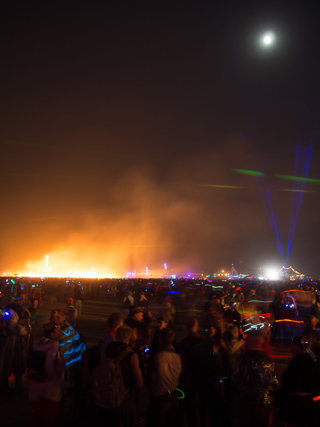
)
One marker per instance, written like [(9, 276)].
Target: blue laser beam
[(302, 166), (267, 200)]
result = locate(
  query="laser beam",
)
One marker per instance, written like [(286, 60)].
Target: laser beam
[(248, 172), (298, 179), (219, 186)]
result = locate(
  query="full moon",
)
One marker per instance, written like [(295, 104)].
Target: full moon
[(268, 39)]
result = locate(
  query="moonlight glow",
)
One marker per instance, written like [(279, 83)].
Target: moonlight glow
[(268, 39)]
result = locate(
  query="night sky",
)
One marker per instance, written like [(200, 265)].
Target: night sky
[(122, 124)]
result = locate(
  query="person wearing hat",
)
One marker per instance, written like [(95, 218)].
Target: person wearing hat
[(135, 317)]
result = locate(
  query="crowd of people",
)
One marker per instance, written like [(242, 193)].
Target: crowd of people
[(218, 374)]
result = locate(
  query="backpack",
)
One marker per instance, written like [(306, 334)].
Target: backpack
[(36, 366), (108, 388)]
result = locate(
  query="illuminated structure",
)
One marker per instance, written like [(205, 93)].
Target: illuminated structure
[(290, 273)]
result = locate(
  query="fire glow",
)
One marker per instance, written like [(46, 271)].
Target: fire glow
[(57, 268)]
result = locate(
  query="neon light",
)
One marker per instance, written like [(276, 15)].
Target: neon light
[(69, 341), (316, 398), (256, 300), (243, 334), (73, 361), (253, 327), (81, 348), (266, 315), (290, 320), (297, 290)]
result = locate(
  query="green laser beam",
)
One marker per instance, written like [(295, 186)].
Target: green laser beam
[(219, 186), (298, 178), (248, 172), (286, 177)]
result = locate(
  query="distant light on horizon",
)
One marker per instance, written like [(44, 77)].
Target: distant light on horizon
[(272, 273)]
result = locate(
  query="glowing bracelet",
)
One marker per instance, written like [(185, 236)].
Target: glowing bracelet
[(177, 397)]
